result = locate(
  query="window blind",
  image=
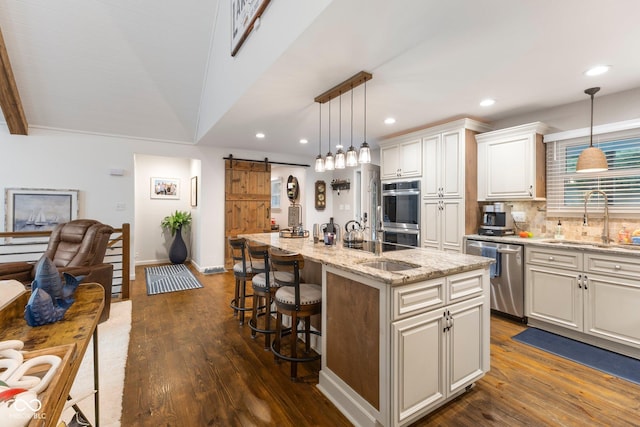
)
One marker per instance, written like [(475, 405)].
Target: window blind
[(566, 188)]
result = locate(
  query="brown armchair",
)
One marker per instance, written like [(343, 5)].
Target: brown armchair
[(76, 247)]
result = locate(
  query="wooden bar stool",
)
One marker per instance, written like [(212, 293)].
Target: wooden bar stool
[(298, 300), (243, 271), (264, 288)]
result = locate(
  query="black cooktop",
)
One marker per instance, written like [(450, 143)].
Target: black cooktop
[(370, 246)]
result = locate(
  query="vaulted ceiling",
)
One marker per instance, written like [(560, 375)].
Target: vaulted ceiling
[(138, 68)]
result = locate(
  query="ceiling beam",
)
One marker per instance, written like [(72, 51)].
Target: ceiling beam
[(344, 87), (9, 96)]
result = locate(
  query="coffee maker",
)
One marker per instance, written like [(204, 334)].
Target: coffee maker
[(496, 220)]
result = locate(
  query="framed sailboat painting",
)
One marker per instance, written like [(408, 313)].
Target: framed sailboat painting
[(29, 209)]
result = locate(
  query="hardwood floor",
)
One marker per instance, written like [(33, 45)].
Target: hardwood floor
[(191, 364)]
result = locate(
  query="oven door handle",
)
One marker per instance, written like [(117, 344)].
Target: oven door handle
[(401, 231)]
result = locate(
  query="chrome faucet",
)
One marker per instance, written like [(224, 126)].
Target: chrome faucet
[(605, 229), (379, 232)]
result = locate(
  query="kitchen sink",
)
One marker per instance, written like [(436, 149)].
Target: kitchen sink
[(388, 265)]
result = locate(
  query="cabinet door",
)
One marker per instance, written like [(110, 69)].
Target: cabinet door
[(465, 344), (389, 162), (411, 158), (452, 159), (430, 225), (452, 225), (418, 363), (612, 309), (509, 166), (431, 167), (554, 296)]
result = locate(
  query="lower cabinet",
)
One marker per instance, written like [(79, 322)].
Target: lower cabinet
[(435, 356), (585, 292), (443, 224)]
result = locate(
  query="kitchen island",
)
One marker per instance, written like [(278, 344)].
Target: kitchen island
[(396, 344)]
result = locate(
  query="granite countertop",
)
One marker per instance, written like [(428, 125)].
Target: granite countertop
[(584, 245), (431, 263)]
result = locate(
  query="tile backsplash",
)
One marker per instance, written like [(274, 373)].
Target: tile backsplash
[(542, 225)]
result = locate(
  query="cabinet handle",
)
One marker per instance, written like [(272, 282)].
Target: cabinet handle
[(531, 190), (580, 281), (446, 322), (584, 281)]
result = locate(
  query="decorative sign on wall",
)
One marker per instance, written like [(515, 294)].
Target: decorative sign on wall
[(244, 14)]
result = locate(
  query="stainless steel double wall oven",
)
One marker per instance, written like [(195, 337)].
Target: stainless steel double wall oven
[(401, 212)]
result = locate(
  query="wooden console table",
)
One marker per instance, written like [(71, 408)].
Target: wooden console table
[(68, 338)]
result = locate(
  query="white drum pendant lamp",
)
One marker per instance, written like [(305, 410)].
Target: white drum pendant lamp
[(592, 159)]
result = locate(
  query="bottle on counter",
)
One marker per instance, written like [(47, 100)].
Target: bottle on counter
[(558, 233), (624, 236)]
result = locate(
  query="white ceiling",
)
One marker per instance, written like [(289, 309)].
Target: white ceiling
[(137, 68)]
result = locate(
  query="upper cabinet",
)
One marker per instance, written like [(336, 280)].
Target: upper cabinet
[(401, 159), (511, 163)]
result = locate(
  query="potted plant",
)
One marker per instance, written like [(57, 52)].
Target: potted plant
[(174, 223)]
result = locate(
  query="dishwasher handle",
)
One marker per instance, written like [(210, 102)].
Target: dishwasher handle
[(509, 251)]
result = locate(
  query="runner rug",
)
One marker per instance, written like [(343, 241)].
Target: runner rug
[(170, 278), (612, 363)]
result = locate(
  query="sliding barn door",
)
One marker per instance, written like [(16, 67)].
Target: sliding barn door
[(247, 200)]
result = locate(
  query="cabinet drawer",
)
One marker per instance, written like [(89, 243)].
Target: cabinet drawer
[(464, 285), (554, 257), (617, 265), (417, 297)]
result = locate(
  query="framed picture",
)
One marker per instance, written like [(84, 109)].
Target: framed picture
[(194, 191), (244, 14), (28, 209), (165, 188)]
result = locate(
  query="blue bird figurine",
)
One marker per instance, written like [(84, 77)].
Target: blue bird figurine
[(50, 299)]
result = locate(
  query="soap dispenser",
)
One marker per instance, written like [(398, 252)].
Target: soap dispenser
[(559, 234)]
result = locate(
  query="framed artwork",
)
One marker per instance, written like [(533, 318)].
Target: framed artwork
[(194, 191), (28, 209), (276, 193), (244, 14), (165, 188)]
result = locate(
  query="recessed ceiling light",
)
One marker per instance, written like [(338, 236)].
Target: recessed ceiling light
[(389, 121), (260, 135), (597, 70), (303, 141), (487, 102)]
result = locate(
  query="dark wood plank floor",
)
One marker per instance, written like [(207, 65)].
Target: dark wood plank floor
[(191, 364)]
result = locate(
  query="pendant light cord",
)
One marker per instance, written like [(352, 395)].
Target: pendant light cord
[(365, 111), (320, 130), (351, 146), (591, 131)]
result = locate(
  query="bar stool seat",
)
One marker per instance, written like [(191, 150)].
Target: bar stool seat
[(298, 300)]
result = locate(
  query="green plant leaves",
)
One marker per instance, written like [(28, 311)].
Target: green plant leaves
[(176, 220)]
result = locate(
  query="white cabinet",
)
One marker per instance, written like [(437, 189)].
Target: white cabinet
[(437, 353), (401, 160), (444, 160), (511, 163), (586, 293), (443, 224)]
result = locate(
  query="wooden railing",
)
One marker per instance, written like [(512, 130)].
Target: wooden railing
[(30, 245)]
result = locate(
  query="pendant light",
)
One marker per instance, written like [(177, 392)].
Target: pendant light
[(329, 162), (592, 159), (319, 161), (364, 155), (340, 160), (352, 157)]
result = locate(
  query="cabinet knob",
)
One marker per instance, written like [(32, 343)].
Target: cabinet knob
[(617, 267), (551, 258)]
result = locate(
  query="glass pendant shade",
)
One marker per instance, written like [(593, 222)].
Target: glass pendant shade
[(352, 157), (364, 156), (319, 164), (340, 159), (592, 159), (329, 163)]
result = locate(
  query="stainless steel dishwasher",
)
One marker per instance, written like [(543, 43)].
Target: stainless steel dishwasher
[(507, 275)]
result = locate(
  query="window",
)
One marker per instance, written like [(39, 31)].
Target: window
[(276, 192), (566, 188)]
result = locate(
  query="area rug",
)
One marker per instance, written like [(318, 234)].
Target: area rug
[(113, 346), (612, 363), (170, 278)]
